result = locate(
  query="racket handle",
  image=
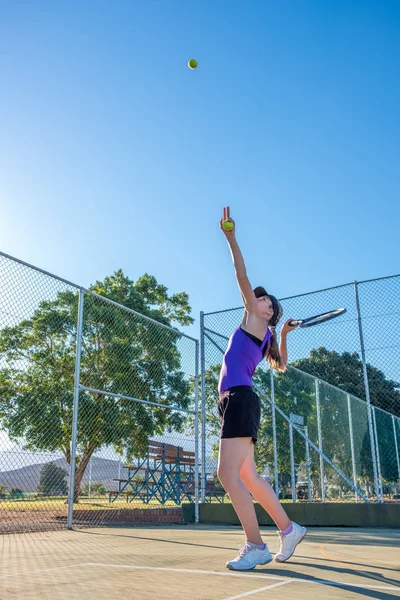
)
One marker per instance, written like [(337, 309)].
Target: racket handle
[(293, 323)]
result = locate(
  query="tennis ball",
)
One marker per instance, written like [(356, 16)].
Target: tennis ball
[(227, 225), (192, 63)]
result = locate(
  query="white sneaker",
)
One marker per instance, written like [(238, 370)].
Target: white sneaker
[(288, 543), (249, 557)]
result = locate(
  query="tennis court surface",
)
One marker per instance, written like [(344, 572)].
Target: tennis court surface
[(188, 562)]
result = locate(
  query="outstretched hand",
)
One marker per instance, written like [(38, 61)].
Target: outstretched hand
[(227, 217)]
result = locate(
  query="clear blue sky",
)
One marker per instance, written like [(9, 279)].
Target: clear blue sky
[(113, 154)]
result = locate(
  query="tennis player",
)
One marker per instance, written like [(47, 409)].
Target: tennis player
[(240, 410)]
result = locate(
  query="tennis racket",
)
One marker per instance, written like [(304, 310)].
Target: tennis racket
[(318, 319)]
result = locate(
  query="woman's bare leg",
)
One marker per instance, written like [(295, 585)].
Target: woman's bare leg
[(262, 491), (232, 455)]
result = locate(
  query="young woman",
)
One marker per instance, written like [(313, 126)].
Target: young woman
[(239, 410)]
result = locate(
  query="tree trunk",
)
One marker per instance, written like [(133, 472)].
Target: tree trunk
[(80, 470)]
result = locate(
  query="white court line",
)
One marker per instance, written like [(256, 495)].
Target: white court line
[(237, 574), (263, 589), (18, 574)]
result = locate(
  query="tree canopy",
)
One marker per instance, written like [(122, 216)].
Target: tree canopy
[(345, 371), (53, 479), (295, 392), (121, 353)]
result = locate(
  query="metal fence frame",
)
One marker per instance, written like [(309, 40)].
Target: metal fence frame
[(200, 425), (78, 387), (375, 458), (303, 434)]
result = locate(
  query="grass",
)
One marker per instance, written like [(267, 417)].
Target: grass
[(85, 503), (97, 503)]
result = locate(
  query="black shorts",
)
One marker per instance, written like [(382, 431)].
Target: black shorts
[(239, 409)]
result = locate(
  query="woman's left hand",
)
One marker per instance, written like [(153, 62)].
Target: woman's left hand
[(286, 327)]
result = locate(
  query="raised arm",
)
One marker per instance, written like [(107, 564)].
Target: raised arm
[(286, 328), (245, 288)]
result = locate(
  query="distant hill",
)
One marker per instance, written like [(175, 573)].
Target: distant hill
[(27, 478)]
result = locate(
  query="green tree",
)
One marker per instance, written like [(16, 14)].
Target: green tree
[(295, 392), (121, 353), (53, 479), (345, 371), (96, 488)]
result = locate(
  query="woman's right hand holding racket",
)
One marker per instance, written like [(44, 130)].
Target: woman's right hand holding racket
[(226, 224), (289, 326)]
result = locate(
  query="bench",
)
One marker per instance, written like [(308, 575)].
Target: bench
[(171, 454), (168, 475), (214, 490)]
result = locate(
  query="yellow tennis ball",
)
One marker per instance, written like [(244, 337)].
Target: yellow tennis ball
[(227, 225), (192, 63)]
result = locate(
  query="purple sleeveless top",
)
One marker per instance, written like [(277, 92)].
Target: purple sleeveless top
[(241, 359)]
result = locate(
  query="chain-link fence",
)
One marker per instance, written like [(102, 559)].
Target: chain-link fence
[(99, 405), (98, 408), (330, 425)]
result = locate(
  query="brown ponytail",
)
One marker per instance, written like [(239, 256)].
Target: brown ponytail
[(273, 355)]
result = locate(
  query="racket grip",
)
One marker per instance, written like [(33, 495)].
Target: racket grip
[(293, 322)]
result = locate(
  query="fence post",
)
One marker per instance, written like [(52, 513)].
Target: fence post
[(321, 459), (196, 435), (203, 408), (353, 459), (378, 459), (396, 445), (367, 395), (308, 466), (75, 410), (276, 473), (292, 466)]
